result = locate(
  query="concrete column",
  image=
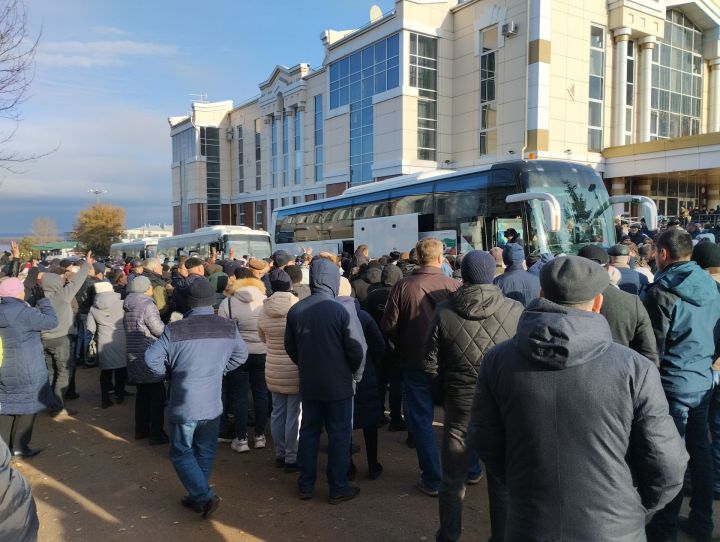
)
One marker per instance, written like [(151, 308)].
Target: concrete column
[(291, 149), (647, 44), (621, 36), (617, 188), (714, 90)]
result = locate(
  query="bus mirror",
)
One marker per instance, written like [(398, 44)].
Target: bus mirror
[(550, 207), (647, 206)]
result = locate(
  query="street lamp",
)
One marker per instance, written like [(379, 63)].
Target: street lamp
[(97, 192)]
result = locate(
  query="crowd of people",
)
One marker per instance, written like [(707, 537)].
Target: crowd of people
[(570, 381)]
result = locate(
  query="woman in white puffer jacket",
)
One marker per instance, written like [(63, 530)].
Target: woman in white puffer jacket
[(244, 306), (281, 374)]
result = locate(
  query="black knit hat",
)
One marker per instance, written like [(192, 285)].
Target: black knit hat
[(706, 254), (569, 280), (478, 267), (201, 294)]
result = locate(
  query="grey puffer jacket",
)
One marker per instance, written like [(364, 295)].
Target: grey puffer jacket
[(577, 427), (105, 321), (465, 327), (18, 515), (61, 296), (143, 326)]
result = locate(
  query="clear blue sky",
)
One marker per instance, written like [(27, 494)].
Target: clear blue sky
[(109, 73)]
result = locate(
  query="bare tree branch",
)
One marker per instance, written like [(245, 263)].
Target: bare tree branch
[(17, 55)]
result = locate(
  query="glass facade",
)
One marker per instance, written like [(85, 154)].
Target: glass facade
[(258, 154), (318, 138), (241, 164), (297, 145), (354, 80), (677, 79), (365, 73), (596, 85), (423, 75), (210, 149), (488, 106), (184, 145)]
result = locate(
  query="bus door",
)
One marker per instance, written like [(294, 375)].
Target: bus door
[(500, 225), (473, 234)]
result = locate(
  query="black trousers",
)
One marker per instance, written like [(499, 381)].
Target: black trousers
[(16, 431), (107, 385), (391, 377), (150, 410)]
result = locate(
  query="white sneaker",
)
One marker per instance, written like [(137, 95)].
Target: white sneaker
[(240, 445), (260, 441)]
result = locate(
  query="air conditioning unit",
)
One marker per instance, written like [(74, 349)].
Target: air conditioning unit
[(230, 135), (510, 29)]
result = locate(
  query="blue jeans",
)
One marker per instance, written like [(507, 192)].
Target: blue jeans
[(250, 375), (284, 422), (690, 413), (419, 413), (337, 416), (192, 452), (715, 434)]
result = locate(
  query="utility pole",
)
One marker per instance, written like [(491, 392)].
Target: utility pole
[(97, 192)]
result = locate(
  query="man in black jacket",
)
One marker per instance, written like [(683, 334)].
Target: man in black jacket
[(576, 425), (628, 319), (474, 319), (325, 339), (361, 285), (388, 375)]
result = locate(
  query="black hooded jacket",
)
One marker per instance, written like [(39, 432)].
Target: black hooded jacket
[(577, 427), (361, 284), (468, 324), (378, 293)]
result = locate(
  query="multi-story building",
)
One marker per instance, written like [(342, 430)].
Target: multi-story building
[(631, 87)]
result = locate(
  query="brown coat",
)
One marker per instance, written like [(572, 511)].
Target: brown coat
[(281, 374), (409, 312)]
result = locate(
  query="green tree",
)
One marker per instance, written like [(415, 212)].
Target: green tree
[(98, 226)]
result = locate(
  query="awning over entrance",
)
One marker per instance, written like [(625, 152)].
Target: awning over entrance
[(679, 174)]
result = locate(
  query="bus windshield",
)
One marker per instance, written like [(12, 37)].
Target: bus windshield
[(586, 211), (257, 246)]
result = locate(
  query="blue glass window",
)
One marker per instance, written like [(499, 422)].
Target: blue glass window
[(374, 69)]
